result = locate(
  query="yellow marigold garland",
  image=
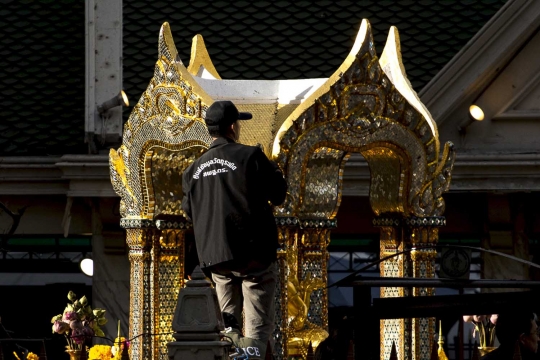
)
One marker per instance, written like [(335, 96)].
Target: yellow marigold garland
[(32, 356), (100, 352)]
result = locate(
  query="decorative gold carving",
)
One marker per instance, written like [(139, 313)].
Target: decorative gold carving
[(429, 199), (165, 175), (368, 106), (386, 188), (169, 115)]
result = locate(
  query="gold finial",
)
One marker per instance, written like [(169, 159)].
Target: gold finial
[(200, 57), (442, 354), (392, 65)]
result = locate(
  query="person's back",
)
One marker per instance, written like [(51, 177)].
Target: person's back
[(226, 194), (229, 189)]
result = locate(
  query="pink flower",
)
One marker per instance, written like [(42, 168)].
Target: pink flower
[(70, 316), (494, 318), (60, 327)]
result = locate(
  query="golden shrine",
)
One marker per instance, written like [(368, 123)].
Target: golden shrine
[(368, 107)]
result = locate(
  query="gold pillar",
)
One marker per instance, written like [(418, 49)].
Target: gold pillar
[(301, 295), (139, 237), (168, 278), (313, 264), (422, 235), (157, 275), (393, 331), (413, 337)]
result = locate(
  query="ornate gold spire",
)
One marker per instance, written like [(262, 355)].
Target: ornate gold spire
[(364, 34), (392, 65), (442, 354), (169, 115), (200, 58)]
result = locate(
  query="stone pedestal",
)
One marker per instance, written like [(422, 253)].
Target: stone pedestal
[(197, 323)]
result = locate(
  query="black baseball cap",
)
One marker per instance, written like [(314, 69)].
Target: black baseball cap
[(222, 114)]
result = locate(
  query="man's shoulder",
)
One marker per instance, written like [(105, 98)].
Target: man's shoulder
[(231, 152), (243, 147), (240, 149)]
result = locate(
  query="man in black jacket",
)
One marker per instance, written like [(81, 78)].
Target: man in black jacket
[(226, 194)]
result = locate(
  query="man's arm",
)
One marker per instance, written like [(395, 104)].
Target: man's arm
[(278, 186), (272, 178)]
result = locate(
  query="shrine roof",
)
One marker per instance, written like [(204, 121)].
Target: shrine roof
[(42, 48), (298, 39)]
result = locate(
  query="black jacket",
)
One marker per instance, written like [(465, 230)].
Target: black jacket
[(226, 194)]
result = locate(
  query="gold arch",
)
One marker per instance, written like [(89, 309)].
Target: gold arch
[(367, 106), (358, 105)]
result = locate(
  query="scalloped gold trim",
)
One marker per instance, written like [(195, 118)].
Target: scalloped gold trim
[(201, 57)]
